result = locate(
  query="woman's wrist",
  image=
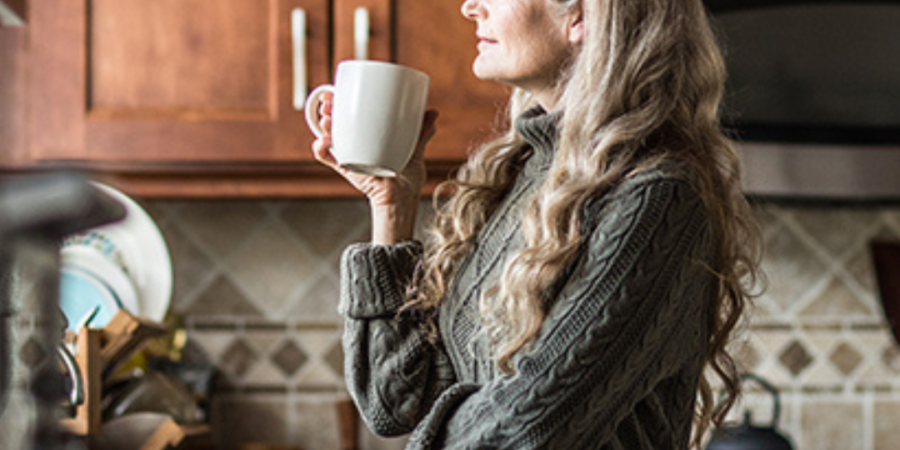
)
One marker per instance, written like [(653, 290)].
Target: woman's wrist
[(393, 223)]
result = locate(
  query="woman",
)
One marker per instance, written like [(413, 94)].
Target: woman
[(587, 265)]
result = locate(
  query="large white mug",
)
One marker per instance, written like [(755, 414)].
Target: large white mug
[(377, 115)]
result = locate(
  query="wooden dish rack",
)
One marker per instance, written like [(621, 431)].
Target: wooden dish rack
[(100, 351)]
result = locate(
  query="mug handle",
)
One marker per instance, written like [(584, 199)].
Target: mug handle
[(312, 108)]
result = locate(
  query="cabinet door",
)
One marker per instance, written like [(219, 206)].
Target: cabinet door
[(163, 81), (434, 37)]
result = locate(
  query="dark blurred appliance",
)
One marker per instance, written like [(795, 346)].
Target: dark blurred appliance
[(812, 95), (748, 436), (36, 211)]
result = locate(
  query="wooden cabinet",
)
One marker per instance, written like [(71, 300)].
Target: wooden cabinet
[(195, 98)]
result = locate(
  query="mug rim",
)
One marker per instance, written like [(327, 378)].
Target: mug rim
[(385, 64)]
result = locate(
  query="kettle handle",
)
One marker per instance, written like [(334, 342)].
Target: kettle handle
[(776, 407)]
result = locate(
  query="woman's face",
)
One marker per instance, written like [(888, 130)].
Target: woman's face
[(520, 42)]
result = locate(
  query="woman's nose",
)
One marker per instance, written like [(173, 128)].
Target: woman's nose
[(470, 9)]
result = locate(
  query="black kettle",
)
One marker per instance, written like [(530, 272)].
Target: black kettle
[(747, 436)]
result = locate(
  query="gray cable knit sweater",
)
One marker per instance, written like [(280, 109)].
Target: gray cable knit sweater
[(616, 363)]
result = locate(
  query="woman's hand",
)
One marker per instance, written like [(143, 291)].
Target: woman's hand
[(394, 201)]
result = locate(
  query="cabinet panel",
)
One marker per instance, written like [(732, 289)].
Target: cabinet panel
[(191, 68), (213, 84), (12, 88)]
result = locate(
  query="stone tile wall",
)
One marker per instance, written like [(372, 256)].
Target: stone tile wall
[(256, 285)]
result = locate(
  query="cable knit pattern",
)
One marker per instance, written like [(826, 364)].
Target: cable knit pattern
[(616, 363)]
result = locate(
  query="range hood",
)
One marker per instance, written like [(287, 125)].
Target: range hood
[(812, 96)]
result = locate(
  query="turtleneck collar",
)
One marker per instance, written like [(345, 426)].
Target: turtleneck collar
[(540, 129)]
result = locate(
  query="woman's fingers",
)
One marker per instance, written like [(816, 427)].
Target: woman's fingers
[(428, 130)]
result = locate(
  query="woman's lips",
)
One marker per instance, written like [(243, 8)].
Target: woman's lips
[(483, 41)]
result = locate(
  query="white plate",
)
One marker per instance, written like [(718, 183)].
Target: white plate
[(84, 266), (85, 300), (136, 246)]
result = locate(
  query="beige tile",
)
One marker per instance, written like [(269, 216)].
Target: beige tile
[(860, 267), (792, 271), (211, 343), (771, 344), (16, 424), (832, 424), (264, 374), (243, 419), (768, 217), (319, 303), (218, 226), (222, 298), (887, 425), (370, 441), (836, 302), (315, 422), (192, 269), (820, 373), (745, 354), (318, 373), (328, 226), (269, 266), (266, 342), (837, 230), (872, 372), (761, 406)]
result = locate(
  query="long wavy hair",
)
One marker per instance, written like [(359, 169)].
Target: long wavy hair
[(656, 75)]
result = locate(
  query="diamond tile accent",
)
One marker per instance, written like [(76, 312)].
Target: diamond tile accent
[(238, 358), (845, 358), (289, 358), (795, 358)]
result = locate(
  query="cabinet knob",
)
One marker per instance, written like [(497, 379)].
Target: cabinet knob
[(298, 40)]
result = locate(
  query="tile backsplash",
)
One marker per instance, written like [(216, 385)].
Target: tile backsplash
[(256, 285)]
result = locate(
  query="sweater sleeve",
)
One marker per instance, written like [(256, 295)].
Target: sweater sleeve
[(631, 314), (393, 372)]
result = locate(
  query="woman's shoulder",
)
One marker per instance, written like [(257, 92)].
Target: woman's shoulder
[(663, 181), (662, 172), (656, 190)]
